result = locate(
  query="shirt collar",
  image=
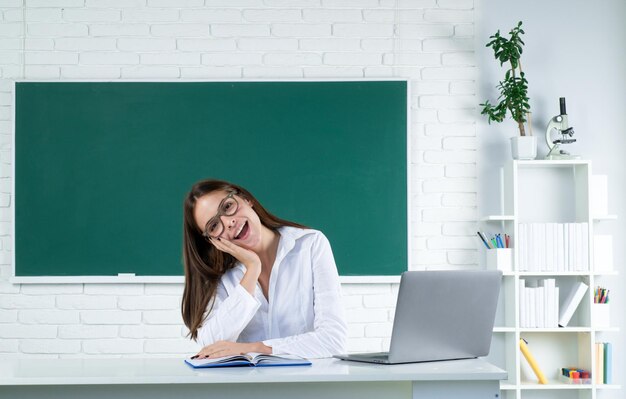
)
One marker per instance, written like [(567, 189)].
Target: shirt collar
[(288, 237)]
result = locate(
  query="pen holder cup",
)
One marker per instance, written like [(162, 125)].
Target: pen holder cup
[(601, 315), (500, 259)]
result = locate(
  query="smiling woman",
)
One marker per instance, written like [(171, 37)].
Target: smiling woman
[(238, 259)]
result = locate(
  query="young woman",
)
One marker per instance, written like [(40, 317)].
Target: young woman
[(255, 282)]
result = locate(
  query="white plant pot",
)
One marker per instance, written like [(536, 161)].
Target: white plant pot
[(524, 147)]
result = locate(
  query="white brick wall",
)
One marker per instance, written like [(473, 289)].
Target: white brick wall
[(231, 39)]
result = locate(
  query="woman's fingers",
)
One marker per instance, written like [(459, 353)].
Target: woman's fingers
[(224, 243), (228, 247), (245, 256), (220, 349), (205, 352), (219, 244)]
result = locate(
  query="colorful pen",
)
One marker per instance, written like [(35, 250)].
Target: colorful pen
[(482, 238)]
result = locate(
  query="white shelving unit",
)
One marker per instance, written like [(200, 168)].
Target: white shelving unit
[(548, 192)]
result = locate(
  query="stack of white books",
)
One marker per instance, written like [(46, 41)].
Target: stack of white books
[(553, 247), (539, 303)]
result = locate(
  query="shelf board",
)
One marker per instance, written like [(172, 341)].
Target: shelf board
[(531, 274), (497, 218), (553, 385), (556, 329), (507, 386), (605, 329), (552, 162), (608, 386), (606, 273), (601, 218)]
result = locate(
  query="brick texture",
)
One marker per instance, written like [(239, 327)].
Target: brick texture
[(428, 42)]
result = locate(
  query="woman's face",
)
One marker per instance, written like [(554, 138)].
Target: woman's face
[(239, 222)]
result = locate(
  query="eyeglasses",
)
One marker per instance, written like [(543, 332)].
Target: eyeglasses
[(228, 207)]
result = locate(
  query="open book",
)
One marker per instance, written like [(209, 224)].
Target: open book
[(249, 359)]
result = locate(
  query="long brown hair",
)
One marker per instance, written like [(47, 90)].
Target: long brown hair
[(204, 265)]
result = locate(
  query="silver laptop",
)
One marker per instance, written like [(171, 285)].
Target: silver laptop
[(440, 315)]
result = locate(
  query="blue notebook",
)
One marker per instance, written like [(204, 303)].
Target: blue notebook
[(249, 360)]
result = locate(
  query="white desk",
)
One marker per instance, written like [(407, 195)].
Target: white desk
[(172, 378)]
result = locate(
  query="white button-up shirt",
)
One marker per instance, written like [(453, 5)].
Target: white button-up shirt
[(302, 315)]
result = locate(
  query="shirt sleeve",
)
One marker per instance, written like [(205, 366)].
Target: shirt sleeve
[(330, 331), (229, 316)]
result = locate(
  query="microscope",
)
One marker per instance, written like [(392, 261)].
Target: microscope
[(564, 135)]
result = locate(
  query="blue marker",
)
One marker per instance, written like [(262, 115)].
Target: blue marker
[(483, 239)]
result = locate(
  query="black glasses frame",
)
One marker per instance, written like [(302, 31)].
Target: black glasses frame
[(220, 213)]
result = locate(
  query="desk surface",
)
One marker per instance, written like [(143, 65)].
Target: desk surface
[(174, 371)]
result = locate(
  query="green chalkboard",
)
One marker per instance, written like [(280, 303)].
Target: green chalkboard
[(101, 168)]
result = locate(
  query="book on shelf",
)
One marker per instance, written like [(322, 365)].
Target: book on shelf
[(522, 242), (548, 249), (531, 318), (583, 248), (570, 304), (539, 309), (551, 306), (599, 360), (573, 253), (249, 360), (560, 248), (539, 303), (553, 247), (608, 363), (540, 247), (566, 247), (604, 363), (523, 304)]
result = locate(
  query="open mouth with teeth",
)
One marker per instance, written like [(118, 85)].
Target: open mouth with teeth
[(243, 231)]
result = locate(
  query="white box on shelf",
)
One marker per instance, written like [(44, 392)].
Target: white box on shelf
[(602, 253), (601, 315), (500, 259), (598, 189)]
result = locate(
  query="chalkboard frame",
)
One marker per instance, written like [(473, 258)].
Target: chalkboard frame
[(176, 279)]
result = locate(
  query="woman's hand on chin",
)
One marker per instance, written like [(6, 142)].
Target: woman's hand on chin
[(248, 258)]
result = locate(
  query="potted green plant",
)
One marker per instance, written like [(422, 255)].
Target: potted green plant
[(513, 92)]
